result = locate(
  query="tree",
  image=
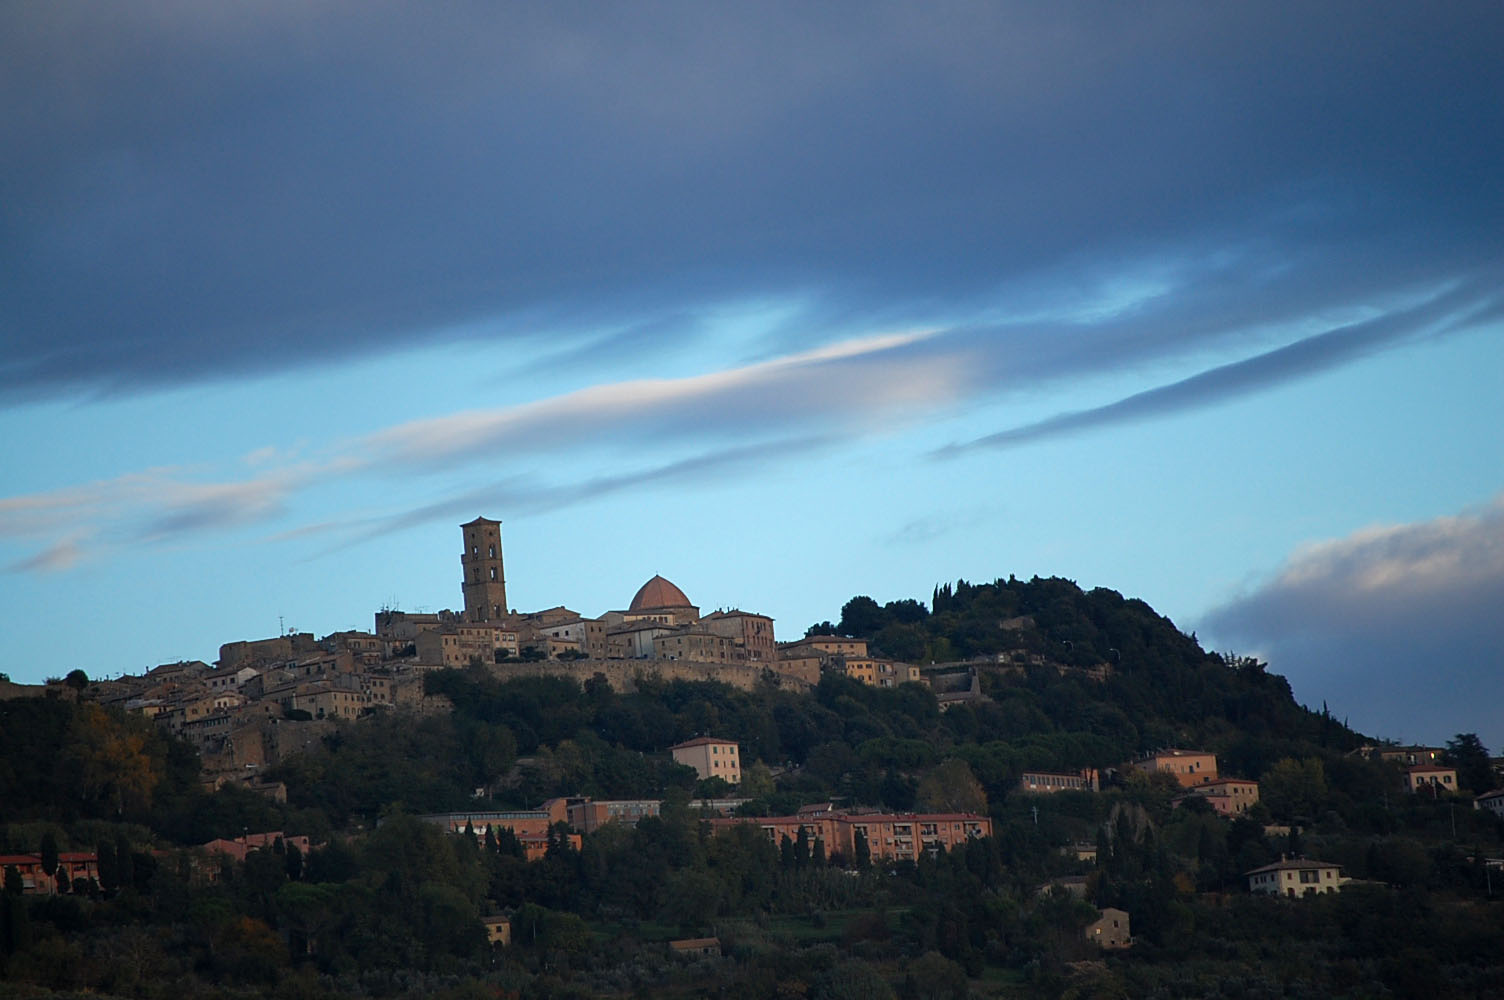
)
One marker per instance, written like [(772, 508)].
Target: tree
[(932, 976), (861, 616), (1294, 788), (757, 781), (309, 909), (952, 787), (111, 756), (1469, 756), (109, 871), (77, 680), (862, 851), (49, 854), (854, 979), (293, 861), (14, 886), (125, 862)]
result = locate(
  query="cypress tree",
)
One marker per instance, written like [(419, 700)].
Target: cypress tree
[(109, 872), (49, 854), (125, 865)]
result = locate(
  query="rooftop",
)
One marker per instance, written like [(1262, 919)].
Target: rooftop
[(659, 593), (703, 741)]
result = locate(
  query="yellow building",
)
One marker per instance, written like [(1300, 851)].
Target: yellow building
[(1190, 767), (1432, 779), (1295, 877), (1228, 796), (711, 758), (1110, 930)]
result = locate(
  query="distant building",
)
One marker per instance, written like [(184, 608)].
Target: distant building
[(888, 836), (459, 643), (1228, 796), (752, 632), (1491, 801), (35, 880), (588, 816), (484, 579), (636, 640), (1110, 930), (530, 826), (1190, 767), (1295, 877), (658, 601), (498, 930), (698, 644), (824, 646), (239, 847), (1409, 756), (1047, 782), (1432, 779), (695, 947), (711, 758)]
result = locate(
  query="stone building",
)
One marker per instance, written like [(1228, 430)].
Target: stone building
[(484, 579)]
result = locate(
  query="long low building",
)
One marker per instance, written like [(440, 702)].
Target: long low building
[(530, 826), (889, 836)]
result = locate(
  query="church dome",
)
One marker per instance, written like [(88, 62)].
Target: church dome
[(659, 593)]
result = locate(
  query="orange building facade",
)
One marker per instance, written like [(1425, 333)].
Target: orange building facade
[(889, 836)]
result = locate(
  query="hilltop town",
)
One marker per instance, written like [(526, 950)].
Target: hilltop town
[(1022, 789), (265, 699)]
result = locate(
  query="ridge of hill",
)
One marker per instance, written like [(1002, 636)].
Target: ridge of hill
[(386, 905)]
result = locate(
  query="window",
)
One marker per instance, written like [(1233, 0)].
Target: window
[(490, 552)]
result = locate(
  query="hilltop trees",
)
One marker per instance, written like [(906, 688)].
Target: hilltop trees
[(1469, 756)]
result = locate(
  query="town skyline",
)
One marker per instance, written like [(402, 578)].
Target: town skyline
[(1199, 305)]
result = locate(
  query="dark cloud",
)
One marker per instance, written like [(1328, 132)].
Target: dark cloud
[(1457, 309), (194, 192), (1397, 628)]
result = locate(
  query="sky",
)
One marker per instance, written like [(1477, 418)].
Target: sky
[(1203, 303)]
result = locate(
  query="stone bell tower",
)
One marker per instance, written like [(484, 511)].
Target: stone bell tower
[(485, 583)]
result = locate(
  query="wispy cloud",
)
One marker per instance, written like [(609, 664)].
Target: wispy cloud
[(143, 508), (715, 422), (61, 555), (1456, 309), (1402, 619), (729, 420), (858, 380)]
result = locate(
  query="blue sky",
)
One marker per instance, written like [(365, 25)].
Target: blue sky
[(1201, 303)]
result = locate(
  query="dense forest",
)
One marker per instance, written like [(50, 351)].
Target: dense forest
[(385, 905)]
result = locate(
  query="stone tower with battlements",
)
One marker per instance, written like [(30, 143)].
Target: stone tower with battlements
[(485, 582)]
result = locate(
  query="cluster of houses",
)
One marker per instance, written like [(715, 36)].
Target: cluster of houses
[(1195, 770), (73, 871), (843, 835)]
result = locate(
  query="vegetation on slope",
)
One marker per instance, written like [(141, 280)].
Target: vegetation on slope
[(393, 909)]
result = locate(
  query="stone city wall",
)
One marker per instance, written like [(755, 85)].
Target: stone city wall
[(622, 675)]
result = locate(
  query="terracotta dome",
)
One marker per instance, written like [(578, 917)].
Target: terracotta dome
[(659, 593)]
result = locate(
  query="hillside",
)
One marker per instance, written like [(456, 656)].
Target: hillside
[(1070, 680)]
